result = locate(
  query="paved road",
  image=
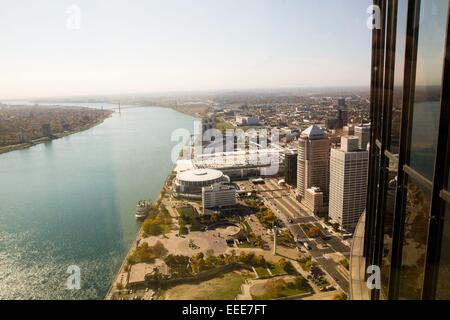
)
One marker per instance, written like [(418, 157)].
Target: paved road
[(286, 207)]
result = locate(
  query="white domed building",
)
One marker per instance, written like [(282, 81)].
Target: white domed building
[(191, 182)]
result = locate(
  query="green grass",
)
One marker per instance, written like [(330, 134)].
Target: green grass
[(189, 216), (249, 245), (276, 270), (247, 227), (225, 287), (223, 126), (158, 223), (262, 273), (279, 288), (189, 212)]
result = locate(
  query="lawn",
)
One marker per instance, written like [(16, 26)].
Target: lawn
[(253, 241), (276, 270), (189, 212), (279, 288), (189, 216), (225, 287), (221, 125), (262, 273)]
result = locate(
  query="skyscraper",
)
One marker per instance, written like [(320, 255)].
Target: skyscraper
[(290, 168), (405, 230), (342, 117), (363, 134), (341, 102), (348, 183), (313, 163)]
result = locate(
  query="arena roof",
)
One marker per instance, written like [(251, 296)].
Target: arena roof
[(200, 175)]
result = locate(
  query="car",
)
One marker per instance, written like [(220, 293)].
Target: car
[(306, 245), (290, 221)]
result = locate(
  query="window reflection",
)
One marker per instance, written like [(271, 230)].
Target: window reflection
[(430, 58), (443, 285), (414, 241), (391, 186), (399, 75)]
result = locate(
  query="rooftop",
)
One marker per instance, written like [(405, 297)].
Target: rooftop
[(200, 175), (313, 132)]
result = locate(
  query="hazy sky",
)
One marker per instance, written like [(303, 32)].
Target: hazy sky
[(139, 46)]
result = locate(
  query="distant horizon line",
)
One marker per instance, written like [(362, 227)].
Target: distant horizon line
[(189, 92)]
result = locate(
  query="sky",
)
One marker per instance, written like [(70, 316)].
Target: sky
[(140, 46)]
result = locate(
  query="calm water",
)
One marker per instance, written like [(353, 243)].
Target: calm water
[(72, 201)]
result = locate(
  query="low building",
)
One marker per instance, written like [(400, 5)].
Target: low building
[(247, 121), (218, 196), (314, 200)]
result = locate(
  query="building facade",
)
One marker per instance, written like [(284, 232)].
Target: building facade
[(218, 196), (363, 134), (290, 168), (313, 162), (349, 167), (407, 219), (190, 182), (314, 200)]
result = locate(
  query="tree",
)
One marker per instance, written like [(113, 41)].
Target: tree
[(340, 296), (152, 229), (282, 264), (313, 232), (215, 217), (147, 254), (301, 283), (259, 261), (178, 264)]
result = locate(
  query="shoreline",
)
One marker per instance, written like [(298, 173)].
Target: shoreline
[(133, 244), (32, 143)]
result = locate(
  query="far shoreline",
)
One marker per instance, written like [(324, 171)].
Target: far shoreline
[(56, 136)]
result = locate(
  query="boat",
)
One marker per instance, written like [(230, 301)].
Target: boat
[(141, 210)]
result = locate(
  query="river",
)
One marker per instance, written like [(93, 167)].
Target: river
[(72, 202)]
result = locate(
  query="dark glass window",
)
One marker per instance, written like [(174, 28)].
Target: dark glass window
[(443, 285), (430, 58), (400, 48), (392, 160), (415, 238), (388, 224)]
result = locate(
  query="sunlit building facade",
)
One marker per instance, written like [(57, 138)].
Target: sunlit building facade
[(313, 163), (348, 183)]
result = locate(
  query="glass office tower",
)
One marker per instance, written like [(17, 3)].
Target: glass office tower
[(407, 221)]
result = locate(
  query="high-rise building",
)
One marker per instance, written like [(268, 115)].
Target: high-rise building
[(342, 117), (290, 168), (341, 102), (405, 231), (349, 130), (208, 123), (332, 123), (349, 166), (313, 162), (363, 134)]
